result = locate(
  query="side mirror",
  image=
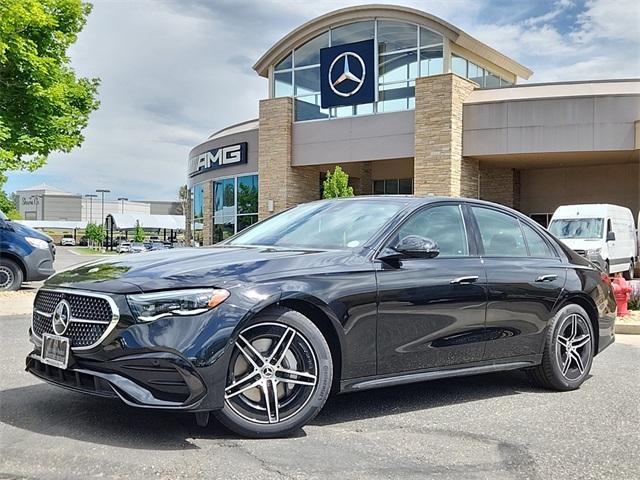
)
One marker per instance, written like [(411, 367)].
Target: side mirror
[(415, 246), (4, 225), (611, 236)]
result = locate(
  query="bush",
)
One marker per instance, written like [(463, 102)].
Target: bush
[(336, 184)]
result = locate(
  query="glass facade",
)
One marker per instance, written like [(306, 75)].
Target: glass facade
[(405, 51), (483, 77), (235, 207)]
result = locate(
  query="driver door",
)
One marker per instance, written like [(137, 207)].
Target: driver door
[(431, 311)]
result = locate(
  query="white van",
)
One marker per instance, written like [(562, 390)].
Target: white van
[(604, 234)]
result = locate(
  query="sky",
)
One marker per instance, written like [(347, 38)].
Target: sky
[(174, 71)]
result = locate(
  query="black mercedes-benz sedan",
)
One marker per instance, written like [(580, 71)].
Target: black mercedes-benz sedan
[(330, 296)]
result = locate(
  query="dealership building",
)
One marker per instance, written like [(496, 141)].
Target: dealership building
[(407, 103)]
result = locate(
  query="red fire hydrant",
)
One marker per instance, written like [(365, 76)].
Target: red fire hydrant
[(622, 292)]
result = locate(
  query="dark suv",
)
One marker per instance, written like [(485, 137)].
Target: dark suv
[(25, 254)]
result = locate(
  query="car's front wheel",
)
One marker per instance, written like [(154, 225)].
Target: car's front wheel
[(10, 275), (279, 376), (568, 351)]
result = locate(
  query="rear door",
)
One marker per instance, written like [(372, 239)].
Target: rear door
[(431, 310), (525, 277)]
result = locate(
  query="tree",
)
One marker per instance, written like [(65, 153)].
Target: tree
[(43, 106), (95, 234), (138, 233), (183, 196), (336, 184), (8, 206)]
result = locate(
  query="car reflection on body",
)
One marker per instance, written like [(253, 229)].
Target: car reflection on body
[(330, 296)]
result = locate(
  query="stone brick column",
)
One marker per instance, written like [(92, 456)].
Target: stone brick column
[(207, 221), (438, 165), (188, 218), (500, 185), (278, 181), (365, 182)]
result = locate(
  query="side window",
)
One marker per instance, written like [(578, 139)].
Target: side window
[(537, 246), (501, 233), (442, 224)]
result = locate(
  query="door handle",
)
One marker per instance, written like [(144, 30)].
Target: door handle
[(463, 280), (546, 278)]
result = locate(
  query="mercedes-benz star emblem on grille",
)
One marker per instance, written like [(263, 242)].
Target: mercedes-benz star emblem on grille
[(61, 317), (346, 74)]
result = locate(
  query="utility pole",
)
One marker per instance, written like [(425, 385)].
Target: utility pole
[(90, 196), (122, 200)]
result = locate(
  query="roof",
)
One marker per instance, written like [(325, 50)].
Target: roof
[(316, 26), (53, 224), (46, 188), (236, 128), (128, 221), (531, 91)]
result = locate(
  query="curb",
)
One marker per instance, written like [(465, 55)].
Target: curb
[(628, 328)]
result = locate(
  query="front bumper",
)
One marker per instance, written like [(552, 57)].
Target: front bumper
[(39, 264), (177, 363)]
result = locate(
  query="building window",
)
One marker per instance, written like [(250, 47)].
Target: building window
[(197, 209), (483, 77), (235, 205), (405, 51), (394, 186)]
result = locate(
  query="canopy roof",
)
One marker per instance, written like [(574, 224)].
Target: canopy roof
[(128, 221), (53, 224)]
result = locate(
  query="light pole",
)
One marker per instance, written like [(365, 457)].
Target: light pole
[(102, 191), (122, 200), (90, 196)]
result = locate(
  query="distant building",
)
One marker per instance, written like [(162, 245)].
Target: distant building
[(45, 202)]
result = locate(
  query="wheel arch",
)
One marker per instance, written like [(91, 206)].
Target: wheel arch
[(589, 306), (15, 258)]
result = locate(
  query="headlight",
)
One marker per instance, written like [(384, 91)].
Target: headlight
[(594, 252), (37, 243), (148, 307)]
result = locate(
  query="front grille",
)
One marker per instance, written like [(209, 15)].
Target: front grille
[(92, 316)]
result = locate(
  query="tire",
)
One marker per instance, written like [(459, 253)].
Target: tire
[(10, 275), (554, 372), (265, 354)]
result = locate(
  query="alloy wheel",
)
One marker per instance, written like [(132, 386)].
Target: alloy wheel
[(573, 346), (272, 375), (6, 277)]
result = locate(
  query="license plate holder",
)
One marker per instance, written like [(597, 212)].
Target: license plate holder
[(55, 350)]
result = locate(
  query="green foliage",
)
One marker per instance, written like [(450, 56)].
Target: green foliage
[(138, 233), (336, 184), (43, 106), (8, 206), (95, 234)]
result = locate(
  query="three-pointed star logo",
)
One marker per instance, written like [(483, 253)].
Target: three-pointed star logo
[(346, 74), (61, 317)]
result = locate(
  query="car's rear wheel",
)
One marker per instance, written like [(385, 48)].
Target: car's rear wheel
[(10, 275), (279, 375), (628, 275), (568, 351)]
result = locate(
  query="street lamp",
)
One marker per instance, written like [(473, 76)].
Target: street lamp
[(102, 191), (90, 196), (122, 200)]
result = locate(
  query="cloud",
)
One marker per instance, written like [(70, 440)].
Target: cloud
[(173, 71)]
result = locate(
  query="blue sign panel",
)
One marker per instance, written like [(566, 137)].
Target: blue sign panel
[(347, 74)]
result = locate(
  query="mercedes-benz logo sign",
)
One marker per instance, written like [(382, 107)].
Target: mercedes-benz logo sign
[(61, 317), (346, 74)]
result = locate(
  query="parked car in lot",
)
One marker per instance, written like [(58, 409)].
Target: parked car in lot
[(26, 255), (157, 246), (331, 296), (124, 247), (138, 247), (604, 234), (68, 241)]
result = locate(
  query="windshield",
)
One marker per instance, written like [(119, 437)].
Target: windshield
[(577, 227), (324, 225)]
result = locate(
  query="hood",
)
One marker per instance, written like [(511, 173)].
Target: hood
[(189, 267), (583, 243), (25, 231)]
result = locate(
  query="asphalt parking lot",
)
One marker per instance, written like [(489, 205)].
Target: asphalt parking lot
[(492, 426)]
